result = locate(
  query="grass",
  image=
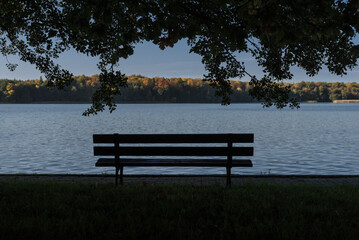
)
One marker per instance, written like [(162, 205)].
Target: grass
[(69, 210)]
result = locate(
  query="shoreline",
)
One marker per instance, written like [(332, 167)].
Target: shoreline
[(82, 103), (191, 179), (119, 103), (346, 101)]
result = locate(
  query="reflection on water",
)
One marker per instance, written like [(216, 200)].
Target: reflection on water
[(316, 139)]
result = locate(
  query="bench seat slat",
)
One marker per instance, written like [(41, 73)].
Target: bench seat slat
[(173, 151), (174, 138), (110, 162)]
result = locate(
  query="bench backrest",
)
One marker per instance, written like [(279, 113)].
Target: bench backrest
[(117, 150)]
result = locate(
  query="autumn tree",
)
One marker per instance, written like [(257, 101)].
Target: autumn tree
[(278, 33)]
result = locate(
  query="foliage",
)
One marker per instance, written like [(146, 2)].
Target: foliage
[(141, 89), (278, 33)]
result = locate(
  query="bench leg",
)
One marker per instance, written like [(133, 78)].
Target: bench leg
[(116, 180), (228, 176), (121, 175)]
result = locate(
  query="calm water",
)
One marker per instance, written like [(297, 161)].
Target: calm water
[(317, 139)]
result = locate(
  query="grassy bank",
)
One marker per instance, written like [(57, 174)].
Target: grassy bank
[(54, 210)]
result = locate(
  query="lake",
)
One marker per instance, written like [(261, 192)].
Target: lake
[(55, 138)]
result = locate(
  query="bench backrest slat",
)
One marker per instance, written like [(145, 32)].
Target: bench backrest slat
[(173, 138), (173, 151)]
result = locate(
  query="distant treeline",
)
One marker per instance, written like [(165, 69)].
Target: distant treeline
[(173, 90)]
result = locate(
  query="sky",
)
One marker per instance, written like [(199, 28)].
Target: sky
[(150, 61)]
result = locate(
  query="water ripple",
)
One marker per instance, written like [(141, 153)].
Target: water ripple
[(317, 139)]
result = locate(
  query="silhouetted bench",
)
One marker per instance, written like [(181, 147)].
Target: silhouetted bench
[(164, 150)]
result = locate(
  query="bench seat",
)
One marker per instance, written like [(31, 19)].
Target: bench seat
[(110, 162)]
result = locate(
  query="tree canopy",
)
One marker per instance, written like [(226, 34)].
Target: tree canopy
[(278, 33)]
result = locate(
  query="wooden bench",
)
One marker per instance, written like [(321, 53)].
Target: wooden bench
[(168, 150)]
